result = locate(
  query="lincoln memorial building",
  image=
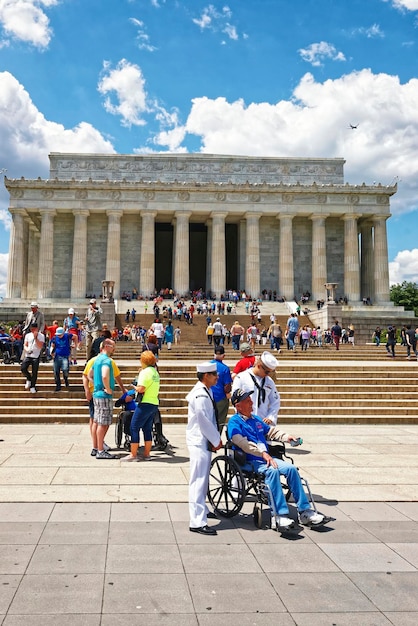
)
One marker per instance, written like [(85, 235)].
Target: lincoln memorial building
[(191, 221)]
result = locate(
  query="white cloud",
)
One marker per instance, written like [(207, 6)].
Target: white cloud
[(142, 37), (370, 32), (218, 21), (26, 137), (404, 267), (128, 83), (411, 5), (318, 52), (26, 20)]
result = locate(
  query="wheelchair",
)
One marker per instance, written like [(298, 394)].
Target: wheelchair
[(123, 431), (230, 485)]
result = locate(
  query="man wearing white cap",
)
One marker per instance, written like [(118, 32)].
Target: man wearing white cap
[(266, 398), (35, 316), (60, 349), (93, 324), (202, 438)]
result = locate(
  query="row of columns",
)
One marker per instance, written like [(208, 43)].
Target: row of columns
[(27, 245)]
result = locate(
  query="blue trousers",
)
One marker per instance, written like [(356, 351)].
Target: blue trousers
[(272, 478), (61, 363), (143, 419), (291, 339)]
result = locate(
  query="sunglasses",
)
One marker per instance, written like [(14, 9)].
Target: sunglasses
[(266, 369)]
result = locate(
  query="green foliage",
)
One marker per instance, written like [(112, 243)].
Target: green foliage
[(405, 295)]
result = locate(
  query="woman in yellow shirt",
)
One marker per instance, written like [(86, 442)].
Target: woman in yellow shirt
[(148, 384)]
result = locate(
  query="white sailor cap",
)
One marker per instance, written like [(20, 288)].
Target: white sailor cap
[(206, 367), (269, 360)]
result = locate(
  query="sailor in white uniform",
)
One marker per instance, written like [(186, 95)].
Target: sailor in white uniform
[(202, 436), (266, 398)]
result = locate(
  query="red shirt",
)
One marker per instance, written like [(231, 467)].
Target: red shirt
[(244, 363)]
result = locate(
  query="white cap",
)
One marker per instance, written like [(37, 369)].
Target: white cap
[(33, 304), (70, 311), (269, 360), (206, 367)]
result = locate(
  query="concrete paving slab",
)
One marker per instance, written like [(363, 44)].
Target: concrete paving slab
[(342, 619), (25, 511), (9, 584), (301, 557), (75, 533), (235, 558), (143, 594), (151, 620), (14, 558), (390, 590), (409, 551), (410, 509), (20, 533), (143, 559), (52, 620), (321, 592), (66, 593), (76, 512), (400, 532), (246, 619), (222, 593), (140, 512), (141, 533), (402, 618), (68, 559), (373, 557), (372, 511)]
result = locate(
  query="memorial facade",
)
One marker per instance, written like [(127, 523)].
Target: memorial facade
[(191, 221)]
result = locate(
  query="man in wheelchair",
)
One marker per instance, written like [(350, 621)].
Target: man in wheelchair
[(249, 433)]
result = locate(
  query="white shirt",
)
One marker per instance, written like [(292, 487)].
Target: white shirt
[(31, 348), (201, 426), (271, 405)]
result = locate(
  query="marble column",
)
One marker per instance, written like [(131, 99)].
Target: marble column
[(46, 254), (351, 259), (367, 260), (113, 249), (181, 254), (286, 272), (147, 260), (79, 265), (33, 262), (381, 260), (26, 224), (252, 256), (319, 256), (16, 254), (218, 254)]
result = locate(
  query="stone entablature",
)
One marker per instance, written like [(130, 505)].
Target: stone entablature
[(191, 167), (98, 196)]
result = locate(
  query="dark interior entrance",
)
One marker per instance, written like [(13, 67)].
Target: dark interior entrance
[(198, 243), (231, 240), (163, 255)]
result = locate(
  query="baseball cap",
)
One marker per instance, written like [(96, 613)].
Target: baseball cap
[(239, 395), (245, 347), (60, 331)]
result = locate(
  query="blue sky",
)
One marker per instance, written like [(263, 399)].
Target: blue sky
[(255, 77)]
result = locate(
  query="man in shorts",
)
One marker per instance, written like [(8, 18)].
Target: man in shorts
[(102, 375)]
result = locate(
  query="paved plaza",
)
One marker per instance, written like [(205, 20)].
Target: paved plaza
[(87, 543)]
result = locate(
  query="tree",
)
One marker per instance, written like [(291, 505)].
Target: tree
[(405, 295)]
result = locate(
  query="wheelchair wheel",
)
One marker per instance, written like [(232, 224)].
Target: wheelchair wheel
[(258, 516), (118, 432), (226, 490)]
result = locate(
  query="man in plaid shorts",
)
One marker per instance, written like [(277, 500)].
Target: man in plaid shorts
[(104, 384)]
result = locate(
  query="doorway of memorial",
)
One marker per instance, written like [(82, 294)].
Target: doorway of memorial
[(163, 255), (198, 243), (231, 243)]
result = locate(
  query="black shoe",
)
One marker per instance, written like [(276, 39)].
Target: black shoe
[(204, 530), (211, 515)]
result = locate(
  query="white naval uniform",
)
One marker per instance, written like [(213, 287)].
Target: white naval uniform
[(201, 429), (271, 405)]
